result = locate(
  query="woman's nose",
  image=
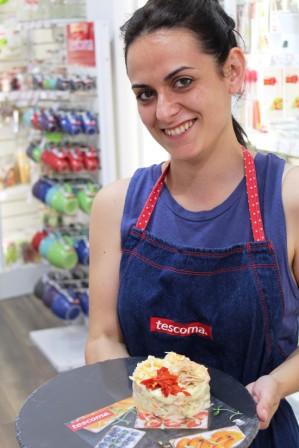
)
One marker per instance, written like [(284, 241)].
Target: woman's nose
[(166, 107)]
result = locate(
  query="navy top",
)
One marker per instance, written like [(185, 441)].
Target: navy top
[(226, 225)]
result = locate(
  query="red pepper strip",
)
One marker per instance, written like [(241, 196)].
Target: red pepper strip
[(166, 381)]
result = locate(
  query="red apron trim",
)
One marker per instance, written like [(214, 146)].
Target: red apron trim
[(166, 326), (252, 196), (149, 207)]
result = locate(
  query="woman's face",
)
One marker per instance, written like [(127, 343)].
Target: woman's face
[(182, 97)]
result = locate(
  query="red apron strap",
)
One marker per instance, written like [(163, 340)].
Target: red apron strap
[(253, 197), (149, 207)]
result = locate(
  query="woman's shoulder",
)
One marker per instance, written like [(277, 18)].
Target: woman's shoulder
[(112, 197), (290, 195), (281, 175), (109, 201), (290, 189)]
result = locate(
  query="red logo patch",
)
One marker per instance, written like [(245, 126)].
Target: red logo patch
[(166, 326)]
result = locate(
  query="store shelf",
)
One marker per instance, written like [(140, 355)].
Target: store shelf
[(31, 96), (63, 346), (47, 23), (18, 281), (276, 140), (12, 193)]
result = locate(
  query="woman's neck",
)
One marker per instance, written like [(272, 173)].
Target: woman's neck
[(204, 183)]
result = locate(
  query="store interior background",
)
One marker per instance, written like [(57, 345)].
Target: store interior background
[(42, 336)]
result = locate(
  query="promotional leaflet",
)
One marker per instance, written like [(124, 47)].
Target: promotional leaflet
[(117, 425)]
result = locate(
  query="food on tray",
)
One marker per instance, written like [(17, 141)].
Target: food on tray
[(173, 387)]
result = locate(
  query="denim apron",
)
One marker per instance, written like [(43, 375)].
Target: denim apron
[(222, 308)]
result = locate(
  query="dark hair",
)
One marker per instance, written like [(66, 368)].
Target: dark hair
[(206, 19)]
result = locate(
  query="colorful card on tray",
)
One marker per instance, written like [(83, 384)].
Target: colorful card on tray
[(96, 421), (229, 437)]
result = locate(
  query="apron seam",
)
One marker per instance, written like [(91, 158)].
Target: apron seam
[(156, 242), (265, 310), (160, 267)]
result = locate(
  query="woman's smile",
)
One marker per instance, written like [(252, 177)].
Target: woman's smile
[(179, 130)]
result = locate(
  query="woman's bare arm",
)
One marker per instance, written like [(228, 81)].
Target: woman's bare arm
[(268, 390), (287, 373), (104, 336)]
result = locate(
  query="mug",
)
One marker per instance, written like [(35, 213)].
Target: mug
[(37, 239), (62, 83), (38, 290), (84, 301), (40, 188), (27, 117), (75, 160), (89, 123), (45, 244), (82, 248), (86, 196), (49, 83), (37, 153), (62, 199), (55, 158), (48, 293), (48, 121), (64, 306), (91, 158), (62, 255), (34, 151), (37, 81)]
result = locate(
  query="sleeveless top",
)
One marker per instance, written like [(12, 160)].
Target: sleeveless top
[(225, 225)]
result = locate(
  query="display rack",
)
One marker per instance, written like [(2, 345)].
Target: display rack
[(18, 280), (267, 109), (64, 346)]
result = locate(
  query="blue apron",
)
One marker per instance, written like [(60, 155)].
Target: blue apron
[(222, 308)]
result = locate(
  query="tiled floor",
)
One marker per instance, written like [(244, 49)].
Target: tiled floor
[(23, 367)]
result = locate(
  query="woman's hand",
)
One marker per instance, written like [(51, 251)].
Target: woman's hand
[(266, 393)]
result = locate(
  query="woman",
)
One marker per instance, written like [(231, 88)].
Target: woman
[(199, 255)]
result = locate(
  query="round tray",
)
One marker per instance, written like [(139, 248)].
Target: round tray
[(69, 395)]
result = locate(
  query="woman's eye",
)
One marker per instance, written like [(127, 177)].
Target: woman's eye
[(145, 95), (183, 82)]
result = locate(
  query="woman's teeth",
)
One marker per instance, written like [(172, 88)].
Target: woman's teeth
[(180, 129)]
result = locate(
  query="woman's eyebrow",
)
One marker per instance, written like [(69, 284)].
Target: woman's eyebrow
[(175, 72), (167, 77)]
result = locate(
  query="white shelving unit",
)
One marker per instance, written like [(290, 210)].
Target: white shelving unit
[(18, 280), (62, 346)]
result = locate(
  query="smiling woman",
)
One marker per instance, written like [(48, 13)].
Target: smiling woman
[(208, 240), (176, 94)]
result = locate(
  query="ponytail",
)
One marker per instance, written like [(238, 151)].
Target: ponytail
[(240, 133)]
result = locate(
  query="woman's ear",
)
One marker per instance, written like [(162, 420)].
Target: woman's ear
[(234, 70)]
